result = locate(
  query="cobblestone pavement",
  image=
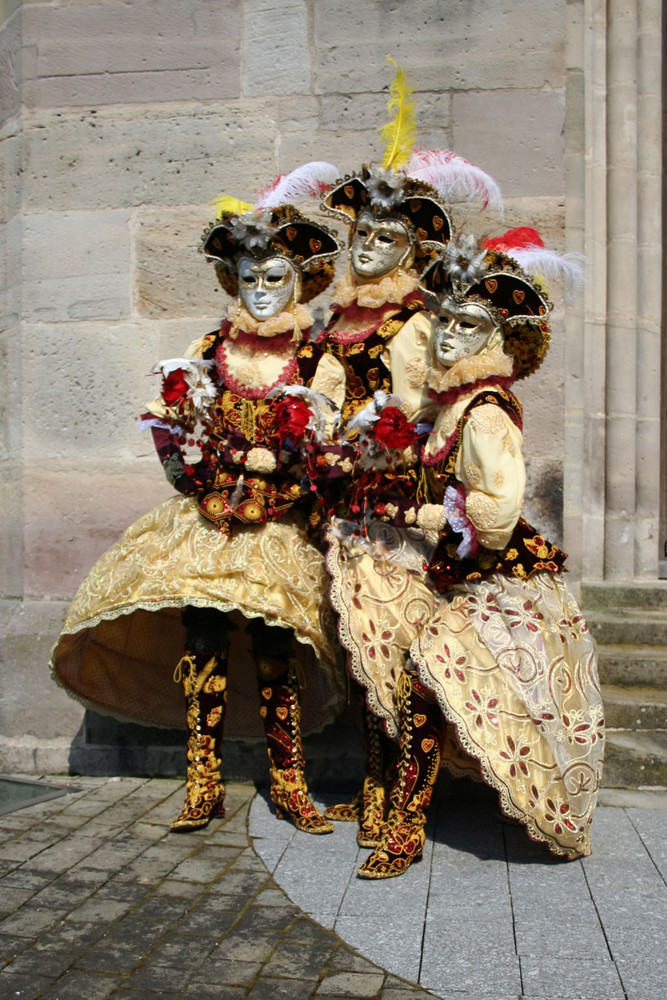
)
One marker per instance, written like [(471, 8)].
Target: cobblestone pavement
[(98, 900)]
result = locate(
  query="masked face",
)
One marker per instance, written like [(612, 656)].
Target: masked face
[(462, 330), (378, 247), (266, 287)]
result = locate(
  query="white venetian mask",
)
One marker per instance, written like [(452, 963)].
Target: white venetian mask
[(462, 331), (379, 246), (266, 287)]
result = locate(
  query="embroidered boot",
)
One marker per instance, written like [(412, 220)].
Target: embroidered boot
[(369, 805), (281, 716), (205, 683), (422, 734)]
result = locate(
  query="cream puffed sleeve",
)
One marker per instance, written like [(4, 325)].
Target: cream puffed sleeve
[(490, 466), (329, 380), (407, 356)]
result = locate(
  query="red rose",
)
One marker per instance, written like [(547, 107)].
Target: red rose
[(394, 430), (292, 416), (174, 386)]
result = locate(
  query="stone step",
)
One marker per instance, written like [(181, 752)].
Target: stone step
[(614, 597), (633, 665), (635, 759), (635, 708), (648, 628)]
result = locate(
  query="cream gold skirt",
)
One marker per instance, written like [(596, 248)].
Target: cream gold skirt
[(514, 670), (123, 635)]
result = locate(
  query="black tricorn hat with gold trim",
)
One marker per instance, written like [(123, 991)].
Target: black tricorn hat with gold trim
[(281, 231), (391, 194), (496, 281)]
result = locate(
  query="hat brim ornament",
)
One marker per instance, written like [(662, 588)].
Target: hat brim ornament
[(275, 227)]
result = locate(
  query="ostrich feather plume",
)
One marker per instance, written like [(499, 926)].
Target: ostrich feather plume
[(307, 181), (400, 131), (454, 178)]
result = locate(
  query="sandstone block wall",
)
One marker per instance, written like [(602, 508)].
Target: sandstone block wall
[(119, 122)]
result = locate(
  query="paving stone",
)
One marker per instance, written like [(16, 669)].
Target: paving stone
[(269, 989), (303, 961), (20, 986), (83, 986), (41, 962), (177, 889), (240, 882), (351, 984), (307, 932), (98, 910), (159, 977), (199, 869), (578, 979), (212, 991), (644, 980), (256, 918), (246, 946), (28, 921), (11, 946), (229, 971), (479, 970), (211, 923), (180, 950)]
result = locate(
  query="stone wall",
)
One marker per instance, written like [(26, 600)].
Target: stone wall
[(119, 123)]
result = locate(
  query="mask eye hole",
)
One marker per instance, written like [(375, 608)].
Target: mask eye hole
[(248, 279), (465, 324), (386, 240), (274, 277)]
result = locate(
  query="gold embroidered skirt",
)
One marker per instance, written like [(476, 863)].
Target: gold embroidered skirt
[(514, 670), (123, 634)]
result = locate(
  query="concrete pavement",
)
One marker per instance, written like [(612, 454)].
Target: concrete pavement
[(98, 900)]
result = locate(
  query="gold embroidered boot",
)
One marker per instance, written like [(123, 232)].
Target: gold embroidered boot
[(205, 683), (280, 712), (422, 733), (369, 805)]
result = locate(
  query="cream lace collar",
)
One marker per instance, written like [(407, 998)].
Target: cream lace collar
[(392, 288), (468, 370), (293, 319)]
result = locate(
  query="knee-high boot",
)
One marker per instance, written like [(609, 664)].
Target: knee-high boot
[(422, 734), (369, 806), (205, 684), (280, 712)]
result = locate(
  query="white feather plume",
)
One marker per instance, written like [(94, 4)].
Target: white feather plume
[(307, 181), (570, 268), (454, 178)]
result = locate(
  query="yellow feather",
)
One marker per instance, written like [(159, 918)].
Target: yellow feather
[(228, 205), (399, 134)]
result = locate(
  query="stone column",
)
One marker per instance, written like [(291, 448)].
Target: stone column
[(11, 236), (613, 406)]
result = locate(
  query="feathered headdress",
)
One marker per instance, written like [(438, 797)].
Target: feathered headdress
[(470, 271), (272, 225), (526, 247), (410, 185)]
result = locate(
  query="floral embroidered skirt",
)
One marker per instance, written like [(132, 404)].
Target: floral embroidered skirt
[(513, 668), (123, 636)]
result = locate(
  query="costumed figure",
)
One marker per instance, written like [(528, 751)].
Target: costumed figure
[(501, 664), (236, 543), (380, 331)]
